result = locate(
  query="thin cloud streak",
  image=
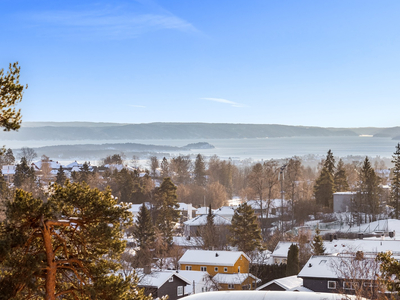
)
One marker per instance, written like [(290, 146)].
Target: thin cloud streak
[(109, 23), (233, 104)]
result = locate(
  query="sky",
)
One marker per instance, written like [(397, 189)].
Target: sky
[(292, 62)]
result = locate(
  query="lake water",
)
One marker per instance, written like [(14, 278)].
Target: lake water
[(258, 149)]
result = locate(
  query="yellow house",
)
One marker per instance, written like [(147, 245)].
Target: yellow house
[(228, 268)]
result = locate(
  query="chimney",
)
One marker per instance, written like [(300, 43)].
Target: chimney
[(147, 269)]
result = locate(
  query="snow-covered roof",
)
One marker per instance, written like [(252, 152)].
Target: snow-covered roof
[(287, 283), (345, 193), (365, 245), (73, 164), (185, 242), (340, 267), (52, 164), (135, 208), (202, 210), (225, 211), (208, 257), (281, 250), (8, 169), (196, 276), (263, 295), (184, 206), (237, 278), (202, 220), (158, 278)]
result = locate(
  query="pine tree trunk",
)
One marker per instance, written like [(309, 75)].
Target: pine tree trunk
[(51, 264)]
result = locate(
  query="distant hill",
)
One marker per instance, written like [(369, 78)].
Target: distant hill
[(115, 131)]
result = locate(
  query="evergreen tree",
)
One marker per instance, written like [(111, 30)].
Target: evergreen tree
[(340, 178), (9, 158), (66, 247), (61, 177), (166, 209), (245, 230), (292, 267), (209, 232), (199, 172), (165, 168), (3, 186), (11, 92), (324, 188), (368, 193), (395, 187), (317, 243), (24, 175), (329, 162), (144, 233)]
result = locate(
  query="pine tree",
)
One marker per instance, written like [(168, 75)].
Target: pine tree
[(340, 178), (324, 187), (292, 267), (245, 230), (329, 162), (24, 175), (199, 172), (166, 209), (66, 247), (165, 168), (144, 233), (209, 232), (61, 177), (317, 243), (395, 188)]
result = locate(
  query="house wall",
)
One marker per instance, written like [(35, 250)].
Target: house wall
[(273, 287), (171, 289), (241, 263), (248, 284), (320, 284)]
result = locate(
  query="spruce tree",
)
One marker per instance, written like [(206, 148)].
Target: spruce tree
[(292, 267), (209, 232), (166, 209), (317, 243), (24, 175), (144, 233), (324, 186), (245, 230), (340, 178), (395, 187), (164, 168), (199, 172), (61, 177)]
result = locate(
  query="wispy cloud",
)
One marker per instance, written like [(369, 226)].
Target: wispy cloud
[(234, 104), (139, 106), (109, 22)]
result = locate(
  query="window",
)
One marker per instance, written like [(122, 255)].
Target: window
[(239, 269), (225, 269), (331, 285), (179, 291), (188, 268), (253, 284), (171, 279), (231, 286), (348, 285), (204, 269), (216, 269)]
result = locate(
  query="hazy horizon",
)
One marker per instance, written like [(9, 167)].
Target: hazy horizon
[(308, 63)]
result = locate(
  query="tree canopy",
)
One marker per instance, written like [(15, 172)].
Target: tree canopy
[(67, 246), (11, 92)]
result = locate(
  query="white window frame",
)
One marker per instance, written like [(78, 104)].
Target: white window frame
[(215, 269), (179, 291), (203, 269), (188, 268), (226, 269), (171, 279), (231, 286), (333, 287)]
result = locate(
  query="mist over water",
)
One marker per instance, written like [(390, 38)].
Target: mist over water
[(255, 149)]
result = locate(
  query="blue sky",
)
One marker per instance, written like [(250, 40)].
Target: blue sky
[(294, 62)]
